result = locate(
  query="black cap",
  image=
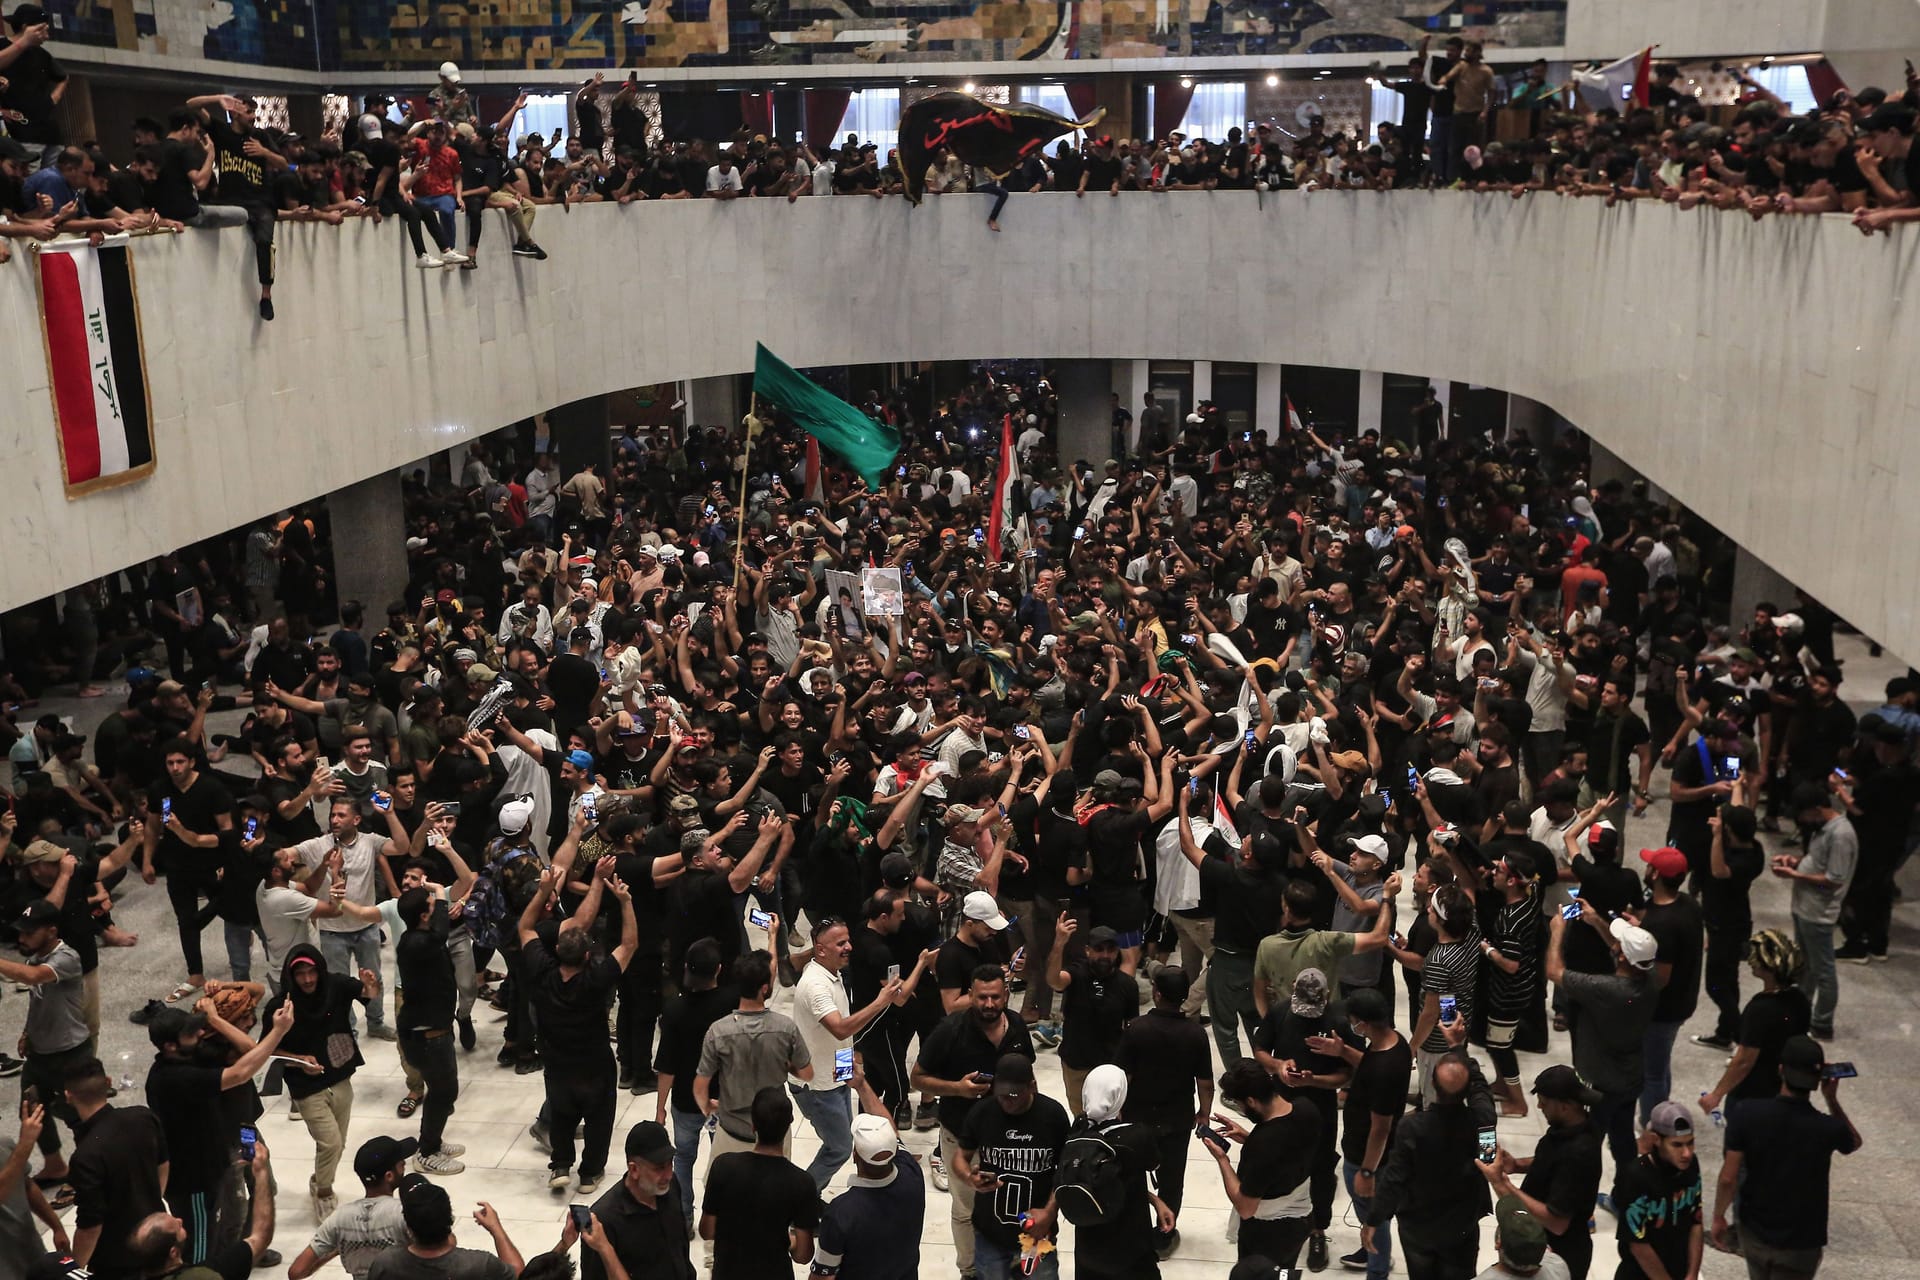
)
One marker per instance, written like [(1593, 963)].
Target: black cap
[(1013, 1068), (377, 1157), (650, 1141), (27, 15), (1801, 1060), (38, 912), (1564, 1083), (896, 871), (426, 1209)]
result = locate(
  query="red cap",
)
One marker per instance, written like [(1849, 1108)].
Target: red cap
[(1667, 861)]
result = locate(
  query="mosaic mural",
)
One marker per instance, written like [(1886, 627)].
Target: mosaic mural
[(550, 35)]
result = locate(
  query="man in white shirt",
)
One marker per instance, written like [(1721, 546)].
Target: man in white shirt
[(827, 1028), (529, 620), (352, 943), (541, 503), (723, 180)]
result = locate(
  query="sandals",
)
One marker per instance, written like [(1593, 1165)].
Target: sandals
[(408, 1105), (182, 991)]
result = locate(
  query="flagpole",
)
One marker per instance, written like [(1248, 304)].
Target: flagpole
[(740, 528)]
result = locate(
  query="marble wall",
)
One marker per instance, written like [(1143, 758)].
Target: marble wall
[(1755, 370)]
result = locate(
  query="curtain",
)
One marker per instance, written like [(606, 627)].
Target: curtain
[(824, 111), (756, 112), (1214, 109), (874, 114), (1790, 82), (1170, 101), (1083, 96)]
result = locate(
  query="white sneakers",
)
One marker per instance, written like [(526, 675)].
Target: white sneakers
[(429, 260), (451, 258), (438, 1162)]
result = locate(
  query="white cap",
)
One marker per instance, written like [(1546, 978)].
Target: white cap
[(449, 71), (1636, 944), (979, 905), (515, 814), (1373, 845), (669, 553), (874, 1139), (369, 125)]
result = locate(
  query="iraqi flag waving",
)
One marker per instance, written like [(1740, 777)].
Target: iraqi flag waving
[(1006, 522), (96, 365)]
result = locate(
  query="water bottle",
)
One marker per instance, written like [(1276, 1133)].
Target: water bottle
[(125, 1083), (1716, 1115)]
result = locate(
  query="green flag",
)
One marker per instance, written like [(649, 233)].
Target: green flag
[(867, 446)]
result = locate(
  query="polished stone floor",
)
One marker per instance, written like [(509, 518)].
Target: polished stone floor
[(1876, 1205)]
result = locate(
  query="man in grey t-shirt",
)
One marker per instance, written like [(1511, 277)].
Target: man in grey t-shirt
[(1610, 1016), (362, 1230), (1820, 878), (57, 1034), (749, 1049)]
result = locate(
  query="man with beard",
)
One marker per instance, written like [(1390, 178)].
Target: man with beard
[(957, 1065), (1009, 1152), (1099, 998)]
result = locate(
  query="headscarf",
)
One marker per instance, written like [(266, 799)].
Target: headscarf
[(1583, 507), (1104, 1093)]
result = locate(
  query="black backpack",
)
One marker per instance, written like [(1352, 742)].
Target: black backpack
[(1090, 1185)]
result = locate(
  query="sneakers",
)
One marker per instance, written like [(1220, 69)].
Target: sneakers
[(926, 1116), (1858, 954), (266, 308), (10, 1065), (383, 1032), (1604, 1203), (528, 249), (452, 1149), (323, 1206), (903, 1117), (1716, 1041), (1046, 1035), (1355, 1261), (939, 1168), (269, 1258), (559, 1179), (468, 1036), (451, 258), (1317, 1251), (538, 1132), (144, 1014), (428, 261), (1165, 1242), (439, 1162), (589, 1183), (527, 1066)]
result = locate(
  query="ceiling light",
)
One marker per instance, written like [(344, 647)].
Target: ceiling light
[(1272, 80), (968, 86), (1186, 82)]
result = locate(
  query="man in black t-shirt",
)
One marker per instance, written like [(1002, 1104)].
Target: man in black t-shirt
[(186, 821), (1563, 1178), (35, 80), (683, 1028), (1099, 997), (245, 163), (760, 1209), (1167, 1062), (1009, 1149)]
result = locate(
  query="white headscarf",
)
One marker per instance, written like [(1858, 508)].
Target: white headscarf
[(1583, 507), (1104, 1093)]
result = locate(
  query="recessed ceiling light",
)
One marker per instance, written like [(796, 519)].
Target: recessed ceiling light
[(1186, 82), (968, 86), (1272, 80)]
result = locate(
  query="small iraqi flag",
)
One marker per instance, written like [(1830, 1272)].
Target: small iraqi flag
[(96, 364)]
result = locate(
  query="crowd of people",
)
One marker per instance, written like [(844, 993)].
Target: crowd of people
[(210, 164), (1288, 790)]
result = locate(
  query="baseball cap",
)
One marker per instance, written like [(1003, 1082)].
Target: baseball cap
[(1600, 831), (369, 126), (1102, 936), (515, 814), (1670, 1119), (896, 871), (1310, 993), (683, 804), (379, 1155), (1521, 1236), (1667, 862), (1564, 1083), (1107, 780), (42, 851), (580, 760), (963, 813), (11, 150), (1636, 944), (450, 71), (650, 1141), (1372, 845), (1801, 1060), (39, 912), (28, 15), (874, 1139), (979, 905), (444, 595), (1013, 1068)]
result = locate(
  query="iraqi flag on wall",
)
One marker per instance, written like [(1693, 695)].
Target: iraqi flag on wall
[(95, 362)]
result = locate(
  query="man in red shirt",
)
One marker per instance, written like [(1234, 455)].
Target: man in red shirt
[(436, 183)]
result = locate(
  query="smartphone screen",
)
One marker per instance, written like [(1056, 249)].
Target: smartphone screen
[(1570, 912), (248, 1136), (1210, 1136), (1079, 534), (253, 827), (758, 918), (582, 1217), (842, 1065), (1733, 766), (1489, 1146), (1446, 1008), (166, 808), (1413, 777), (1839, 1071)]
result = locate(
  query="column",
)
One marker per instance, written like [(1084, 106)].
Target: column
[(1529, 420), (713, 402), (1372, 391), (369, 541), (1202, 381), (1269, 409), (1443, 392), (1754, 580), (1086, 423)]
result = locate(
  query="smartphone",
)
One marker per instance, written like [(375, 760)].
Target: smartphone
[(758, 918), (1843, 775), (1489, 1145), (1524, 513), (1387, 798), (1252, 739), (1570, 912), (382, 802), (30, 1096), (842, 1065), (1021, 732), (586, 806), (1447, 1008), (984, 1077), (166, 808), (979, 534), (1733, 766), (1839, 1071), (248, 1136), (1193, 786), (893, 973), (1210, 1136), (451, 808), (252, 828), (1079, 533), (1443, 502), (582, 1216), (1413, 778)]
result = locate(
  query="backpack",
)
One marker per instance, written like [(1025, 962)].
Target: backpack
[(1090, 1184), (486, 907)]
